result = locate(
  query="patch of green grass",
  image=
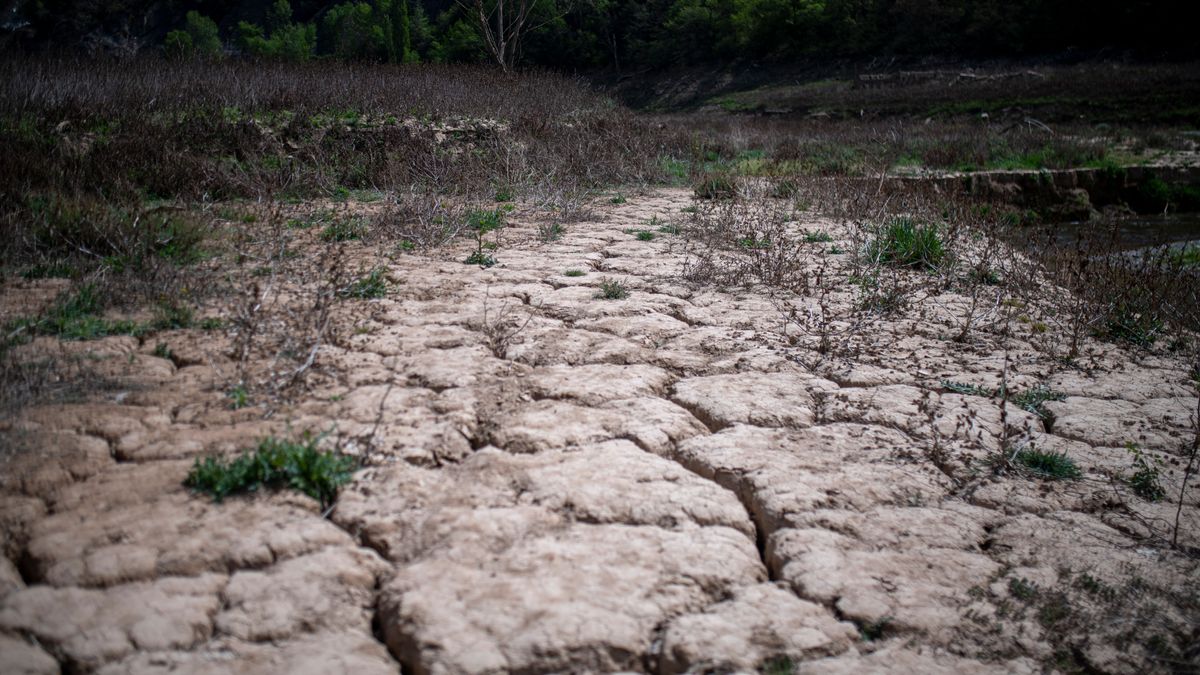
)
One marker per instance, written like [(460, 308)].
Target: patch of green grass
[(645, 235), (549, 232), (346, 229), (373, 284), (817, 237), (1187, 257), (617, 199), (1048, 465), (611, 289), (1145, 479), (779, 665), (211, 323), (74, 316), (275, 464), (1022, 589), (574, 273), (57, 269), (905, 243), (1132, 324), (504, 194), (754, 243), (163, 351)]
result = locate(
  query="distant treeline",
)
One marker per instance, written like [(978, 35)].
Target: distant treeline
[(596, 34)]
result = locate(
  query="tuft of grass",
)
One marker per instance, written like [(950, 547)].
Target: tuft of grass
[(373, 284), (617, 199), (163, 351), (347, 229), (872, 631), (611, 289), (504, 195), (645, 235), (1048, 465), (1145, 479), (817, 237), (274, 464), (1022, 589), (716, 186), (549, 232), (905, 243), (57, 269), (1127, 323), (574, 273), (669, 228)]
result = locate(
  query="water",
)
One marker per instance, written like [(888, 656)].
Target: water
[(1136, 232)]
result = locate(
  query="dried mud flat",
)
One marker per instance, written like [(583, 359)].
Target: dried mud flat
[(556, 482)]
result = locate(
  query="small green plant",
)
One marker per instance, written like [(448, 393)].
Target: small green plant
[(669, 228), (504, 194), (1048, 465), (238, 397), (171, 315), (754, 243), (645, 235), (275, 464), (346, 229), (549, 232), (50, 270), (373, 284), (617, 199), (1033, 400), (1145, 479), (966, 389), (717, 186), (905, 243), (163, 351), (211, 323), (480, 258), (1134, 325), (611, 289), (834, 250), (574, 273), (779, 665), (817, 237), (1022, 589)]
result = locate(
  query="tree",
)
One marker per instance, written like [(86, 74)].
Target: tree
[(198, 39), (505, 23)]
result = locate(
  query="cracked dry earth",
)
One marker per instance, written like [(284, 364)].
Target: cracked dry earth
[(651, 484)]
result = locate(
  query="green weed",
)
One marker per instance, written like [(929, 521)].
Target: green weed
[(373, 284), (1145, 479), (275, 464), (346, 229), (611, 289), (574, 273), (905, 243)]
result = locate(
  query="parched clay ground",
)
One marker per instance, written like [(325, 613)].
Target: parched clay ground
[(662, 483)]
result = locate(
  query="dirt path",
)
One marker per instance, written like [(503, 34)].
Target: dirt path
[(561, 482)]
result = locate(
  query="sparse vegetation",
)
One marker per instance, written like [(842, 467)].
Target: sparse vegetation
[(1047, 464), (275, 464), (907, 243), (373, 284), (1146, 477), (611, 289)]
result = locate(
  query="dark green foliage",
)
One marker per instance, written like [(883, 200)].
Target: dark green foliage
[(275, 464), (1022, 589), (905, 243), (373, 284), (1130, 321), (480, 258), (1145, 479), (780, 665), (199, 38), (1048, 465), (817, 237), (611, 289), (574, 273), (346, 229), (645, 235), (74, 316)]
